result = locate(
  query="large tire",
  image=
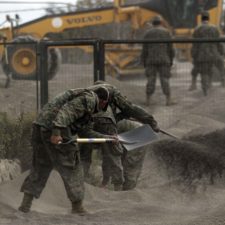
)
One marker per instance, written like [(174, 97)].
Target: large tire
[(22, 59), (54, 59)]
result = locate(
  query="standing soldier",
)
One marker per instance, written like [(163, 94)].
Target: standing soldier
[(206, 55), (67, 114), (158, 58)]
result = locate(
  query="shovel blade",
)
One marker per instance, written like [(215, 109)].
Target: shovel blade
[(137, 137)]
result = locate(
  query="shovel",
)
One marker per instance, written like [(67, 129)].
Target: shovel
[(168, 134), (96, 141)]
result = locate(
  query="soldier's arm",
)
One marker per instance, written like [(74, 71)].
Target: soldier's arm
[(220, 45), (194, 49), (144, 53), (131, 110), (71, 112), (88, 132), (171, 51)]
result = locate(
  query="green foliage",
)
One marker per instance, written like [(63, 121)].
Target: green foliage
[(15, 137)]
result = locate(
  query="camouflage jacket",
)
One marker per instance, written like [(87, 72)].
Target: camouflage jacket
[(104, 117), (121, 105), (72, 109), (206, 51), (157, 53)]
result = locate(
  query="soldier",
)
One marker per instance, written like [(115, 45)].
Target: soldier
[(206, 55), (106, 122), (133, 160), (67, 114), (158, 58)]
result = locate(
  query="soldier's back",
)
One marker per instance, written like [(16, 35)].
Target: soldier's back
[(158, 52), (206, 51)]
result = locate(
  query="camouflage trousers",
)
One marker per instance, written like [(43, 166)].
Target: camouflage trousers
[(132, 165), (164, 76), (133, 160), (63, 158), (123, 168), (111, 154), (207, 68)]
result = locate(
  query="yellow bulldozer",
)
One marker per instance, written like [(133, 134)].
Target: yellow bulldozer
[(180, 16)]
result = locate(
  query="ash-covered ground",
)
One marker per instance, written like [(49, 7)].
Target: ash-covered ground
[(182, 181)]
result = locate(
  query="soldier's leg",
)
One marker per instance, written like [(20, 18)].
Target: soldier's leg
[(151, 82), (106, 170), (86, 157), (132, 171), (164, 72), (205, 71), (204, 82), (41, 168), (220, 66), (70, 168), (132, 164), (114, 162), (132, 161), (194, 74)]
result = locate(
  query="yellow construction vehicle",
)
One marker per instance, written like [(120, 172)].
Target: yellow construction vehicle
[(181, 16)]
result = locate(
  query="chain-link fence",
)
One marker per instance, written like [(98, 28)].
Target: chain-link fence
[(77, 63)]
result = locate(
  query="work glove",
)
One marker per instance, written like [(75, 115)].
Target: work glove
[(155, 126), (114, 137), (56, 139)]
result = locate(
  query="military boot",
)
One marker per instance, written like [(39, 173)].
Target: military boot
[(26, 203), (170, 101), (77, 208)]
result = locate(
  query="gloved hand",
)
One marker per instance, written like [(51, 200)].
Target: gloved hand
[(155, 127), (114, 137), (56, 139)]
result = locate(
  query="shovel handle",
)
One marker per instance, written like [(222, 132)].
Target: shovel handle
[(88, 140), (168, 134)]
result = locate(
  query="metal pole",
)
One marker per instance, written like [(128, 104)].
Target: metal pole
[(43, 75)]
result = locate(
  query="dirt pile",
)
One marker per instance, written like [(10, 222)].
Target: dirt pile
[(160, 198)]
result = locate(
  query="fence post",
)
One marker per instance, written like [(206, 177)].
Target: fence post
[(99, 60), (43, 72), (96, 60)]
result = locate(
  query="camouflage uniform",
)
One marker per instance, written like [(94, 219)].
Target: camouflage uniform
[(66, 115), (132, 161), (158, 58), (206, 55), (120, 103), (106, 123)]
